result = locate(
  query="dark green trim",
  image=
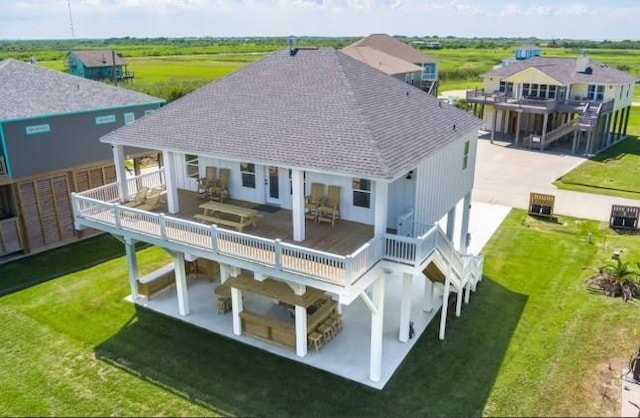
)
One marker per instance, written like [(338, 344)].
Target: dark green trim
[(82, 112), (5, 151)]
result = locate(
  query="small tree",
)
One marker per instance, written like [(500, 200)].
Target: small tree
[(616, 280)]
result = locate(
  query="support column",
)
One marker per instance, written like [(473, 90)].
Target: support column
[(445, 304), (615, 126), (377, 322), (381, 205), (301, 331), (427, 305), (607, 128), (545, 120), (224, 273), (464, 229), (297, 205), (132, 261), (451, 222), (503, 123), (181, 284), (518, 122), (574, 146), (171, 182), (405, 306), (625, 125), (236, 309), (121, 172), (494, 119)]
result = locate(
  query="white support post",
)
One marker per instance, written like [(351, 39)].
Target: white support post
[(377, 322), (428, 295), (464, 229), (467, 291), (224, 273), (297, 205), (181, 284), (381, 207), (132, 260), (121, 172), (445, 305), (451, 222), (170, 181), (459, 295), (301, 331), (236, 309), (405, 307)]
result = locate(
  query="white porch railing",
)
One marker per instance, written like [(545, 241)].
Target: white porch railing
[(98, 207)]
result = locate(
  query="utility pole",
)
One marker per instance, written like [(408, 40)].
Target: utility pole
[(73, 34)]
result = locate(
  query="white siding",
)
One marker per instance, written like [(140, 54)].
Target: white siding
[(402, 198), (441, 181)]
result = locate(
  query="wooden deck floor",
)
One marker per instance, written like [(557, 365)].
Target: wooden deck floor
[(342, 239)]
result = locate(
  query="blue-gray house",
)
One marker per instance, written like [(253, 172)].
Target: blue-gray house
[(50, 123)]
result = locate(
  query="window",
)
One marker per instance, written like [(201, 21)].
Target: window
[(595, 93), (37, 129), (509, 90), (361, 192), (191, 162), (248, 172), (526, 89), (129, 118), (105, 119), (304, 183), (503, 87), (465, 157), (534, 90), (552, 92)]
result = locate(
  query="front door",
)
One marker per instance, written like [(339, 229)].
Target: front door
[(272, 184)]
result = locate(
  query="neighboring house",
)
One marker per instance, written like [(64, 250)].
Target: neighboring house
[(50, 123), (400, 161), (578, 104), (523, 52), (98, 65), (396, 58)]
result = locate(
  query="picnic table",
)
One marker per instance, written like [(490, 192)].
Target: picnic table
[(213, 211)]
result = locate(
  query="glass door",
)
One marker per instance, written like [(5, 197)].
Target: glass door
[(273, 185)]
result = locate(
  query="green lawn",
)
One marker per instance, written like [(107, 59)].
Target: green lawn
[(615, 172), (529, 343)]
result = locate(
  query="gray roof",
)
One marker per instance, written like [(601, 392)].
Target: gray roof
[(318, 110), (96, 59), (392, 46), (564, 71), (27, 90)]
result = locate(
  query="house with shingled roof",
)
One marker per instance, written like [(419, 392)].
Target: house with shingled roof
[(50, 125), (254, 164), (396, 58), (572, 104), (98, 65)]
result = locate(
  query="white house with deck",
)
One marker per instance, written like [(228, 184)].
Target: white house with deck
[(296, 138)]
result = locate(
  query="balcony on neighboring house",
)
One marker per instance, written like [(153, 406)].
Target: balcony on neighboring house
[(4, 172), (331, 258)]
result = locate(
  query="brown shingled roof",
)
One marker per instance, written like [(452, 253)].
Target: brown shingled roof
[(102, 58), (392, 46), (384, 62)]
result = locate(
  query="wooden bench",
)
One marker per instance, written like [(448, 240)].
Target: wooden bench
[(157, 280), (220, 221)]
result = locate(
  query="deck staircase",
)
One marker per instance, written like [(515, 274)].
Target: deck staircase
[(458, 273), (589, 117), (431, 87)]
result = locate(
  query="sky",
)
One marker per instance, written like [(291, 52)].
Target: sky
[(575, 19)]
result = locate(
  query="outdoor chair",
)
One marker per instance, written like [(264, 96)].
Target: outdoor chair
[(221, 186), (312, 202), (153, 199), (330, 209), (141, 196), (206, 184)]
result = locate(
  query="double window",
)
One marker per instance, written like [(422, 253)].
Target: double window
[(248, 174), (539, 91), (192, 164), (595, 93), (465, 157), (506, 88), (361, 192)]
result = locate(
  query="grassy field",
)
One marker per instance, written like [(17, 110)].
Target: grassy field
[(531, 342), (615, 172)]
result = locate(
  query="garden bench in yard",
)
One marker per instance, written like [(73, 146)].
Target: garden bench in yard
[(624, 217)]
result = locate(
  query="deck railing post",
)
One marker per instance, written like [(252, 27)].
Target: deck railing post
[(163, 226), (278, 254), (348, 269), (116, 215), (214, 239)]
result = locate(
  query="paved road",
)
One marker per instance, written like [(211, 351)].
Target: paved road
[(506, 176)]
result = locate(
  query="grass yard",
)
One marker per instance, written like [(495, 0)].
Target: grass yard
[(531, 342), (614, 172)]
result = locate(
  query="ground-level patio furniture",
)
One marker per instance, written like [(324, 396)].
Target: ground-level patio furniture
[(329, 210), (541, 204), (214, 210), (624, 217), (313, 201), (157, 281), (223, 294), (315, 340)]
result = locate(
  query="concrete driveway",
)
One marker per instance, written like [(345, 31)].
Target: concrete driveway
[(506, 176)]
